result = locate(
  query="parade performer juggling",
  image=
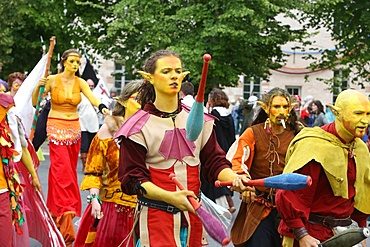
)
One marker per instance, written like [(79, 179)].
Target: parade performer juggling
[(338, 161), (154, 145), (260, 153)]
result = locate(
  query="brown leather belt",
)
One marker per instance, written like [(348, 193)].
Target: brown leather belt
[(328, 221)]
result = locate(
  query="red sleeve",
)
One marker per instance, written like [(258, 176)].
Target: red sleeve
[(294, 206), (360, 218), (213, 159), (132, 168)]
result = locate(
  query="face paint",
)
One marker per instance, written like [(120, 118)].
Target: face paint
[(167, 78), (355, 116), (15, 87), (132, 106), (72, 63), (279, 109)]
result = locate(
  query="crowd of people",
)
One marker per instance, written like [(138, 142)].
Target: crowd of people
[(127, 161)]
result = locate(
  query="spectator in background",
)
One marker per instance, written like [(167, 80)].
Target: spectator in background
[(186, 93), (317, 114), (89, 124), (112, 95), (225, 134), (304, 111), (249, 110)]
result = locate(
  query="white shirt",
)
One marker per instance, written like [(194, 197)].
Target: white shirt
[(88, 116)]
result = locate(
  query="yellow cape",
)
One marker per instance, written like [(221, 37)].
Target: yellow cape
[(326, 149)]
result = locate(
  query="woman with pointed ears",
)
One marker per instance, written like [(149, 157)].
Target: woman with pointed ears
[(149, 154)]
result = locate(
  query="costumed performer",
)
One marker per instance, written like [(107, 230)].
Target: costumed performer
[(338, 162), (154, 145), (259, 153), (64, 135)]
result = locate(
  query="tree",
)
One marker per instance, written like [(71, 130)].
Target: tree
[(348, 23), (242, 36), (23, 22)]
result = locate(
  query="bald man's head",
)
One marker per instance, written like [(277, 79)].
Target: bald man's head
[(91, 83)]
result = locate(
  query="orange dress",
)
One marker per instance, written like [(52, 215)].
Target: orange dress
[(118, 208)]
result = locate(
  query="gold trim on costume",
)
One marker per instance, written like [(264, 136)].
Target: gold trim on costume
[(63, 132)]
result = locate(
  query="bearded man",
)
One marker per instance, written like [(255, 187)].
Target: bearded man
[(338, 161), (260, 153)]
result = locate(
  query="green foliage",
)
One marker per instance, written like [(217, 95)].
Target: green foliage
[(348, 23), (242, 36)]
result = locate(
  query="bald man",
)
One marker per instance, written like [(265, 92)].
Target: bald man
[(338, 161)]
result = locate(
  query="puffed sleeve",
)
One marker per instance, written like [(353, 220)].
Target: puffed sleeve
[(95, 164)]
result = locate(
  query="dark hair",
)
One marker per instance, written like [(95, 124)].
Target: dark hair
[(146, 91), (129, 89), (14, 76), (267, 99), (217, 97), (65, 56), (187, 88), (320, 107)]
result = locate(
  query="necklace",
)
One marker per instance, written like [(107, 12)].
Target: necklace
[(170, 114)]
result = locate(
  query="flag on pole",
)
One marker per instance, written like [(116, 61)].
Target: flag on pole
[(23, 99), (102, 92), (89, 72)]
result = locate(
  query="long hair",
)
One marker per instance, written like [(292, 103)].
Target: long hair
[(65, 56), (146, 92), (129, 89), (267, 99), (320, 107)]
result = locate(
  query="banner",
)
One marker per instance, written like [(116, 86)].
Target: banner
[(23, 99)]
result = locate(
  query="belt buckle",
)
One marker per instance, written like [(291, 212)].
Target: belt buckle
[(325, 224), (170, 209)]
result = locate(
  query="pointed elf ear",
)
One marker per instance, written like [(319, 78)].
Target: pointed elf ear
[(183, 74), (335, 110), (263, 106), (147, 76)]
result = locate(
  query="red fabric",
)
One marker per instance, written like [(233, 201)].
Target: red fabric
[(38, 219), (112, 228), (295, 206), (63, 194), (6, 227)]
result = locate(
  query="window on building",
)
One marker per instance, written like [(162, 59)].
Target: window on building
[(119, 77), (340, 83), (293, 90), (252, 86)]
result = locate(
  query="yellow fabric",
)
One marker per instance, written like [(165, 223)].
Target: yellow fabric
[(59, 100), (103, 158), (3, 183), (287, 241), (40, 155), (332, 154)]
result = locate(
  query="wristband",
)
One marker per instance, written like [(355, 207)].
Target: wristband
[(299, 233), (92, 196), (101, 107)]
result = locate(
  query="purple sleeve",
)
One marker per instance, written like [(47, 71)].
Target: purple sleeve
[(213, 159), (132, 170)]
